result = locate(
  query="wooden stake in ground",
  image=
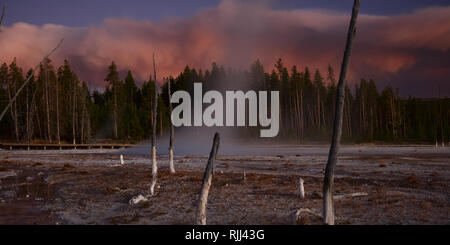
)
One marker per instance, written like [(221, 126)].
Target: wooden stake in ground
[(26, 82), (328, 207), (200, 217), (155, 106), (172, 167)]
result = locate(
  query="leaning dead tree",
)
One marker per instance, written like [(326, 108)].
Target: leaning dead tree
[(200, 217), (328, 206), (3, 14), (172, 167), (29, 78), (155, 107)]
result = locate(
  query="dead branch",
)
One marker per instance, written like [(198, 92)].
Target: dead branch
[(200, 218), (318, 195), (29, 78), (356, 194), (328, 207), (3, 14), (154, 163)]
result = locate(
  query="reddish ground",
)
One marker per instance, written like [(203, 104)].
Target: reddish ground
[(85, 187)]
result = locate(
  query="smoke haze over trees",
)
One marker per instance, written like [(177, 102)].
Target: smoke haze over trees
[(410, 51), (57, 107)]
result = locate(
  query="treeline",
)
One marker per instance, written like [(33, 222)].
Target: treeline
[(56, 106)]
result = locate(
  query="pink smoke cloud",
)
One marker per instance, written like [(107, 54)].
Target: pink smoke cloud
[(235, 33)]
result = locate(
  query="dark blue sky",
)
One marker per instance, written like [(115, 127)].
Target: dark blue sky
[(88, 12)]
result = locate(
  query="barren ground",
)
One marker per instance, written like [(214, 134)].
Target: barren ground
[(405, 185)]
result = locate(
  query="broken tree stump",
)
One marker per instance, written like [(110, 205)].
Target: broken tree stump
[(154, 171), (350, 195), (301, 188), (200, 217)]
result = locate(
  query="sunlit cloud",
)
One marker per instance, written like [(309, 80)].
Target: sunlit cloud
[(235, 33)]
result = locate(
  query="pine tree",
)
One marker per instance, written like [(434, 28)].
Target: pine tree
[(113, 79), (130, 122)]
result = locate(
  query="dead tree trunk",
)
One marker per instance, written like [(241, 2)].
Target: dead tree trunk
[(328, 207), (200, 217), (155, 107), (324, 120), (16, 120), (297, 113), (349, 122), (116, 135), (88, 127), (363, 113), (318, 107), (31, 115), (171, 130), (38, 120), (301, 188), (58, 135), (73, 112), (47, 105), (393, 117), (302, 113), (160, 122)]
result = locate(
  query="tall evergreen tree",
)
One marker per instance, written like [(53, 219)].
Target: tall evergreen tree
[(113, 79)]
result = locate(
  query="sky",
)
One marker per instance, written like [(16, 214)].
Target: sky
[(91, 12), (400, 43)]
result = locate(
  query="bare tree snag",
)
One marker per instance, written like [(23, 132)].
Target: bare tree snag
[(328, 208), (16, 119), (28, 116), (47, 105), (13, 110), (200, 217), (26, 82), (58, 135), (74, 104), (171, 129), (155, 106), (88, 133), (302, 114), (37, 118)]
